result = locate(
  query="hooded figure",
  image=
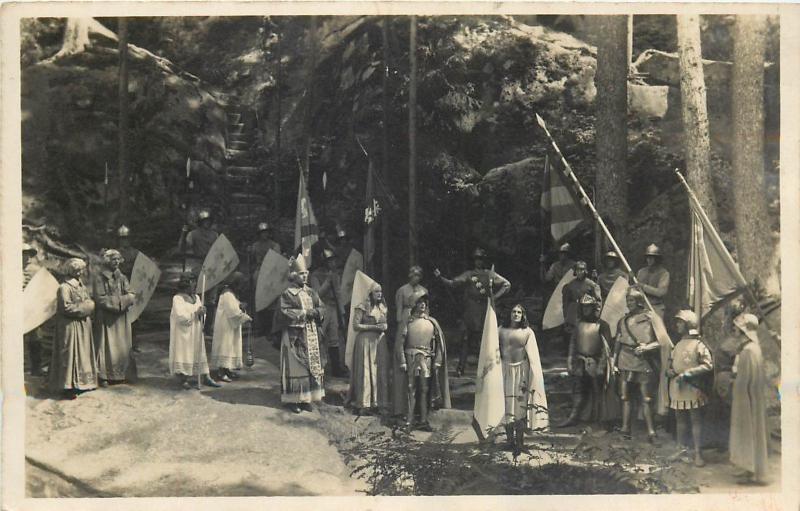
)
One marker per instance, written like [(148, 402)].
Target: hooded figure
[(748, 440), (226, 344)]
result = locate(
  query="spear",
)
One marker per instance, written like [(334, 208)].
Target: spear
[(202, 327)]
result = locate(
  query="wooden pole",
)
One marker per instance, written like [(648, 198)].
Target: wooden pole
[(276, 183), (202, 328), (412, 146), (123, 119)]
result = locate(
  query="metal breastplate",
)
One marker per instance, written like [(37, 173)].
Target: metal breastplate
[(589, 342), (420, 333)]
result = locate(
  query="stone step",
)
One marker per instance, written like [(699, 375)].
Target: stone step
[(235, 128), (241, 145), (243, 170), (232, 154), (246, 198), (234, 117)]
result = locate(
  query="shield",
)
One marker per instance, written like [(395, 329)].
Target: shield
[(490, 404), (355, 263), (39, 299), (220, 262), (272, 280), (615, 306), (361, 286), (554, 312), (144, 279)]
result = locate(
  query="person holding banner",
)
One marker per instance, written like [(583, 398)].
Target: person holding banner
[(477, 284), (523, 380), (325, 281), (422, 354), (73, 365), (689, 363), (371, 366), (610, 274), (187, 347), (654, 279), (226, 344), (32, 340), (637, 336), (112, 327), (300, 313), (589, 355), (404, 302)]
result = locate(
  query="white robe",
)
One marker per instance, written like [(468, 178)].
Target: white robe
[(226, 346), (187, 348)]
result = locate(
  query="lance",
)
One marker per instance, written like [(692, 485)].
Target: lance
[(187, 207), (586, 201), (199, 350), (105, 196)]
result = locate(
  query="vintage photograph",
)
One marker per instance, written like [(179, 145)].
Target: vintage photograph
[(401, 255)]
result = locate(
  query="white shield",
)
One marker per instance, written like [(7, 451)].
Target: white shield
[(39, 299), (615, 306), (144, 279), (273, 279), (355, 262), (554, 313), (220, 262)]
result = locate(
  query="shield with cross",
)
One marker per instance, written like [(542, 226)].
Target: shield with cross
[(39, 299), (144, 279), (220, 262)]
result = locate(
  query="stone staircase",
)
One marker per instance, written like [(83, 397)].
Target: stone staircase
[(246, 188)]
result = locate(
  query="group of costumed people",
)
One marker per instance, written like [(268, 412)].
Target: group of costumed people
[(409, 377)]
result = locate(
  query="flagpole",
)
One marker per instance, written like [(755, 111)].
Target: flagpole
[(545, 186), (203, 328), (588, 202), (714, 234)]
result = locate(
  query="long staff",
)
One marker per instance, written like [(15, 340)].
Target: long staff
[(199, 351)]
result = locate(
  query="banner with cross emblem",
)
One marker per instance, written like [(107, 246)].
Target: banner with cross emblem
[(220, 262)]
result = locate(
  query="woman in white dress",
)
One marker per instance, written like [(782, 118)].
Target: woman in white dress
[(226, 346), (187, 348)]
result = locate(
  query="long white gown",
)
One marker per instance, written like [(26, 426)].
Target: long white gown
[(226, 346), (187, 349)]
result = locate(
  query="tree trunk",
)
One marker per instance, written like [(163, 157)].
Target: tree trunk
[(76, 36), (123, 120), (309, 112), (753, 231), (385, 163), (611, 133), (412, 146), (696, 143), (276, 183)]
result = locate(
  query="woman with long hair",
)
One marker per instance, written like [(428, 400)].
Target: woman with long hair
[(371, 364)]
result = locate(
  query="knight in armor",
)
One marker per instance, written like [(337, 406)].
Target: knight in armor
[(404, 302), (561, 267), (523, 380), (689, 363), (571, 295), (654, 279), (326, 281), (477, 284), (610, 273), (256, 253), (587, 361), (129, 254), (639, 334), (198, 241), (300, 314), (423, 357)]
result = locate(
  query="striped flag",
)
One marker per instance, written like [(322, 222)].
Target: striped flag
[(490, 405), (305, 225), (714, 277), (566, 211)]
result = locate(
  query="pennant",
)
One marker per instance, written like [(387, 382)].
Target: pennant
[(220, 262), (554, 312), (144, 279), (361, 286), (714, 277), (490, 406), (39, 299), (305, 225), (615, 306), (566, 211), (272, 280)]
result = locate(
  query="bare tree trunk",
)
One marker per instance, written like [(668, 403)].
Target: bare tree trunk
[(753, 232), (123, 119), (611, 132), (696, 143), (412, 146), (276, 183), (385, 162), (309, 113), (76, 36)]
